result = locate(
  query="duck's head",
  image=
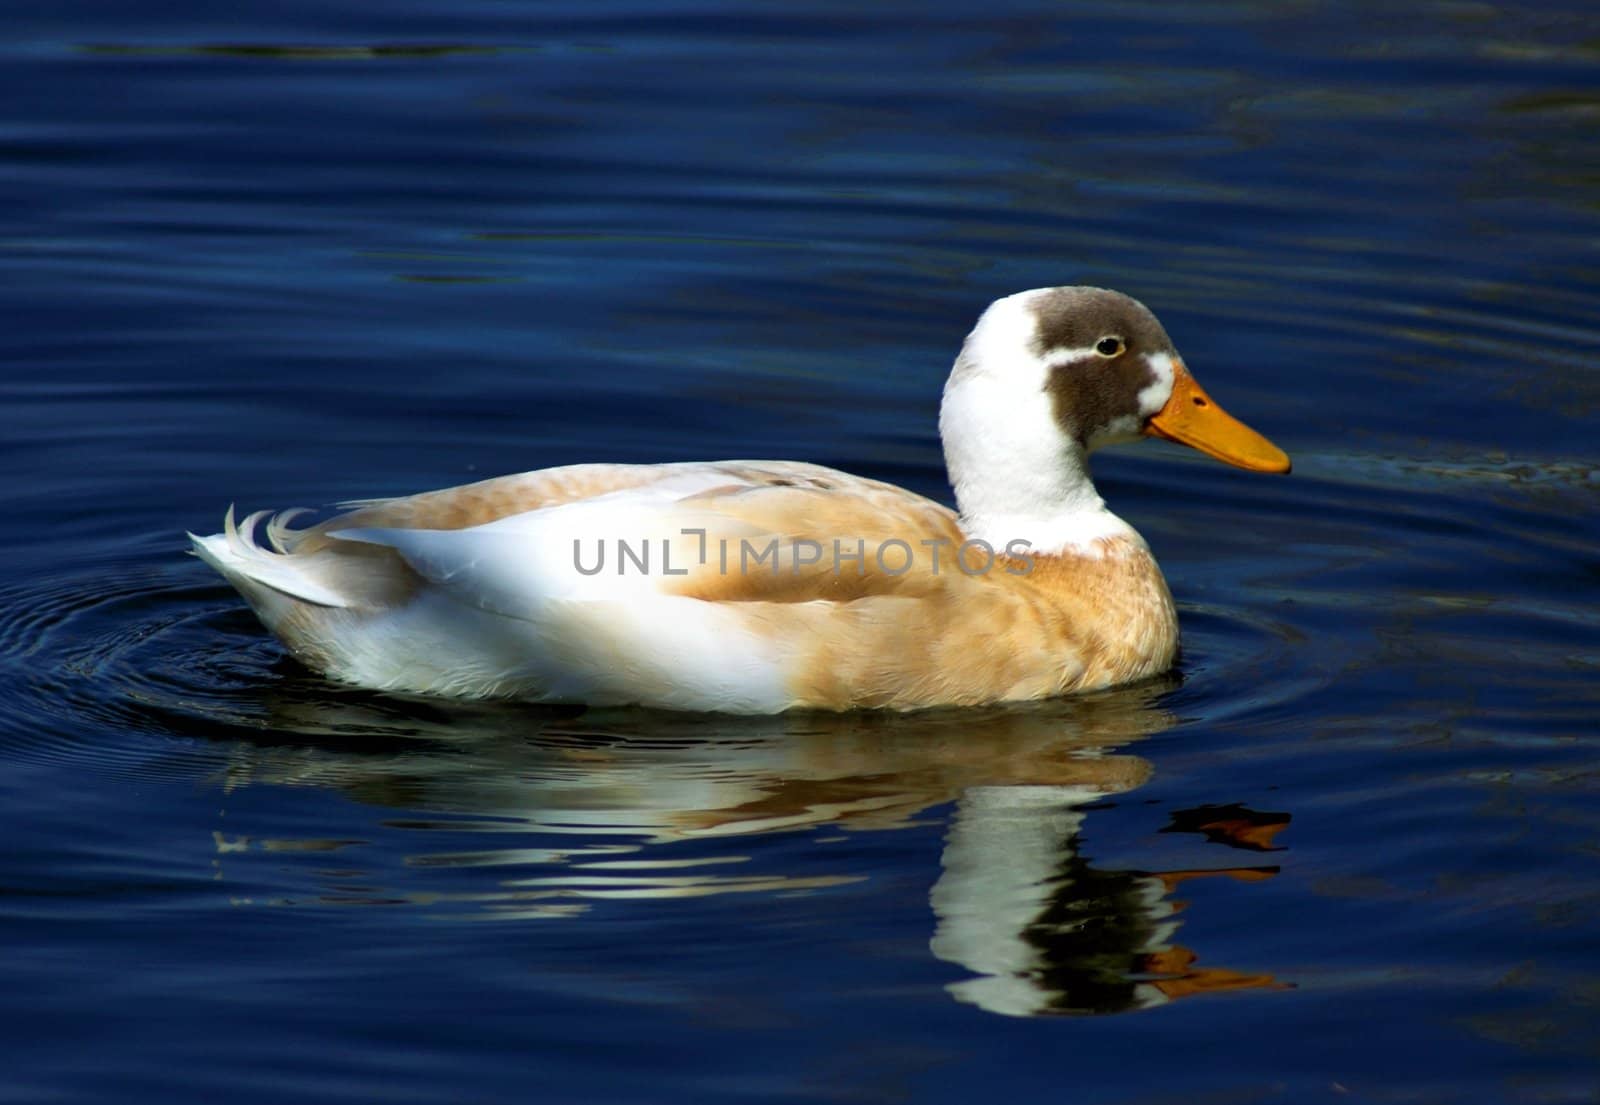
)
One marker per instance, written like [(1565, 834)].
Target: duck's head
[(1049, 375)]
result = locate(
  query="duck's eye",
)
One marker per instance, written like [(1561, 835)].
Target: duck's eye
[(1109, 346)]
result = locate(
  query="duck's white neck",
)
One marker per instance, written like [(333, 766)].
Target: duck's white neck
[(1016, 474), (1009, 488)]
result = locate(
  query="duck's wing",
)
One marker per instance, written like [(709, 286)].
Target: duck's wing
[(730, 532), (477, 504)]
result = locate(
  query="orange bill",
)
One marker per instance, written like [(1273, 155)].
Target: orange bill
[(1192, 418)]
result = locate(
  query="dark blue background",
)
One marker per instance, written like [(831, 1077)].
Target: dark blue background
[(298, 253)]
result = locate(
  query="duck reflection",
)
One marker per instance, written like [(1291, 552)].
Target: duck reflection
[(1044, 930), (567, 807)]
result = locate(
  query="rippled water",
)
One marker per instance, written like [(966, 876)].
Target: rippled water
[(305, 253)]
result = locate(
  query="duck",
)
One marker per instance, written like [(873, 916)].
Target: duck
[(762, 586)]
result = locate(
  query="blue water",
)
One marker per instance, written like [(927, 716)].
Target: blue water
[(297, 253)]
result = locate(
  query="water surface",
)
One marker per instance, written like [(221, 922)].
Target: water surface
[(296, 254)]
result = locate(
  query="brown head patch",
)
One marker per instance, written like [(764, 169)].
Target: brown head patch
[(1076, 318), (1089, 393)]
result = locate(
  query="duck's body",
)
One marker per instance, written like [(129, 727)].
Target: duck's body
[(761, 586)]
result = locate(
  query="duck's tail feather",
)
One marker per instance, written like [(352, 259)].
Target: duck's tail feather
[(255, 569)]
